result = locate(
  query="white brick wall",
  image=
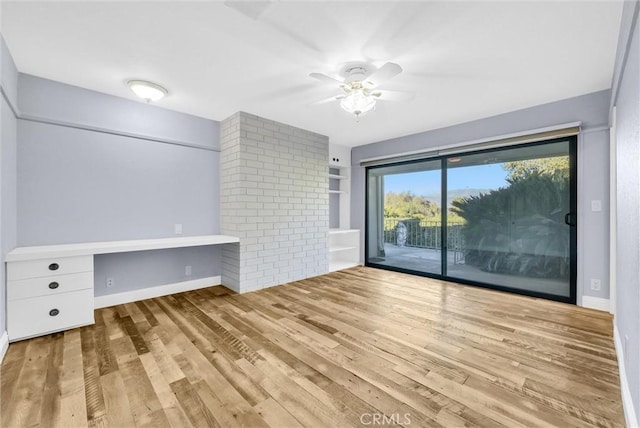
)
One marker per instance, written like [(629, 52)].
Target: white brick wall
[(275, 198)]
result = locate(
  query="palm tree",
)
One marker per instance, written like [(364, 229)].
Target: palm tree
[(518, 229)]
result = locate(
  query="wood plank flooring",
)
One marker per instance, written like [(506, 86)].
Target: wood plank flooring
[(361, 347)]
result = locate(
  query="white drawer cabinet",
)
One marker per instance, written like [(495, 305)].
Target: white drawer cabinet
[(47, 286), (36, 316), (48, 295), (50, 287), (48, 267)]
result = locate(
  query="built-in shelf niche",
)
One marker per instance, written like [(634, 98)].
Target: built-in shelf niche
[(344, 243)]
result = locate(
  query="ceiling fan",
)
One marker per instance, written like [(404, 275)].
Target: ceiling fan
[(359, 87)]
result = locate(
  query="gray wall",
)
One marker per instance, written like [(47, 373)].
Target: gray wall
[(132, 271), (593, 169), (76, 185), (8, 141), (275, 199), (334, 200), (627, 102), (41, 98), (593, 227), (93, 167)]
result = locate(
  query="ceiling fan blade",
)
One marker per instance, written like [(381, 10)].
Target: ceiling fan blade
[(251, 9), (328, 100), (393, 95), (384, 73), (326, 79)]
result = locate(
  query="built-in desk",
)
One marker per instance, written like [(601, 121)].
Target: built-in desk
[(50, 287)]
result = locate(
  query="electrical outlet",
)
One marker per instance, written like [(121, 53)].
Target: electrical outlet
[(596, 284), (178, 228), (596, 206), (110, 282), (187, 270)]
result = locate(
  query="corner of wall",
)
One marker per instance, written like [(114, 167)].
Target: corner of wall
[(8, 169), (625, 98), (4, 345), (629, 408), (8, 75)]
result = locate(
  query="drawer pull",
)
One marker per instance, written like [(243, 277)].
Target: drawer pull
[(54, 266), (54, 285), (54, 312)]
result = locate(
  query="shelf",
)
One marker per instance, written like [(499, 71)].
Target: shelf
[(340, 231), (89, 248), (337, 192), (338, 177), (334, 266), (339, 248)]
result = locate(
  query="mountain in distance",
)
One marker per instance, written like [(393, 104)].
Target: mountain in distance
[(465, 193), (457, 193)]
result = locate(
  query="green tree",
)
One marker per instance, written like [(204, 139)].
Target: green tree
[(405, 205), (557, 168), (408, 205)]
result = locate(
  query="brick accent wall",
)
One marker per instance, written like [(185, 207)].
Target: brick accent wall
[(275, 198)]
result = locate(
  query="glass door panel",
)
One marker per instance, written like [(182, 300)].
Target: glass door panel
[(501, 218), (404, 218), (511, 208)]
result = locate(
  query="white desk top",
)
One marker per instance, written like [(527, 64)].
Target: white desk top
[(90, 248)]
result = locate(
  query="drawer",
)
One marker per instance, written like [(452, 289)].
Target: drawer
[(47, 286), (31, 317), (48, 267)]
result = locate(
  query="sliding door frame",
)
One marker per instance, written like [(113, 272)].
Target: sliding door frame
[(573, 229)]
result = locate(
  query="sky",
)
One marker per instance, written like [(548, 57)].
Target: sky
[(428, 182)]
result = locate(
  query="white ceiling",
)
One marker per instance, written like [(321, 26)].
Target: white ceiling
[(463, 60)]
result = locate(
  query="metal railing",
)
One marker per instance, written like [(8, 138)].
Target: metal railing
[(422, 233)]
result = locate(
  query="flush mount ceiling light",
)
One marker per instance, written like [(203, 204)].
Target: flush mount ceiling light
[(148, 91)]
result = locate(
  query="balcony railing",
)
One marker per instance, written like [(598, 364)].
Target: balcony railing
[(422, 233)]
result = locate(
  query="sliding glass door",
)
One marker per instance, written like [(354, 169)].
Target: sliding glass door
[(501, 218), (404, 216)]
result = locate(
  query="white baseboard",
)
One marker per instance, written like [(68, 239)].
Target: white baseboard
[(151, 292), (4, 344), (627, 399), (596, 303)]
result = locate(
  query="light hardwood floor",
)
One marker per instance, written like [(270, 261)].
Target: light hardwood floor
[(361, 347)]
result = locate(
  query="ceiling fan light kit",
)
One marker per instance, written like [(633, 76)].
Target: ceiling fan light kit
[(358, 102), (358, 86)]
